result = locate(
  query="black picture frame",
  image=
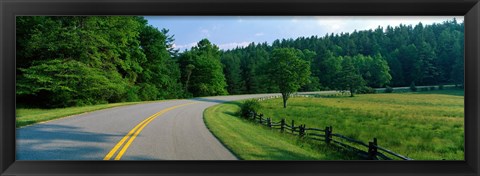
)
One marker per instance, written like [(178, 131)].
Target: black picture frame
[(470, 9)]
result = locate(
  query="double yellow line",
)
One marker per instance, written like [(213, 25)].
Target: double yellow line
[(132, 134)]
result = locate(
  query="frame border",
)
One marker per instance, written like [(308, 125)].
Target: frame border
[(11, 8)]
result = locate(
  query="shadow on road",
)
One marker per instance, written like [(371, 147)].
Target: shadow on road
[(58, 142), (210, 100)]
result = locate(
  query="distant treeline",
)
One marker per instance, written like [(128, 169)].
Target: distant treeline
[(72, 61), (423, 54)]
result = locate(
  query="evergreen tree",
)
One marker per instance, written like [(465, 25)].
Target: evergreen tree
[(349, 78)]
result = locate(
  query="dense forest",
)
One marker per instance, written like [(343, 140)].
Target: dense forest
[(74, 61)]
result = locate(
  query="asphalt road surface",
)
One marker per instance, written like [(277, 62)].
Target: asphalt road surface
[(168, 130)]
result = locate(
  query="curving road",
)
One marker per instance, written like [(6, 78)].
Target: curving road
[(169, 130)]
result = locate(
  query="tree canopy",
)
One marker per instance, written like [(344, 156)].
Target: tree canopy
[(79, 60), (287, 71)]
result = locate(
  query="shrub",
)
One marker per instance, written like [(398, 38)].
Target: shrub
[(248, 106), (413, 87), (440, 87), (432, 88), (389, 89), (423, 89), (366, 90)]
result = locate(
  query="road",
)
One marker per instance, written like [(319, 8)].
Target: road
[(168, 130)]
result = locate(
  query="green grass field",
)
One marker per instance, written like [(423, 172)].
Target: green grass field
[(420, 125), (29, 116), (250, 141)]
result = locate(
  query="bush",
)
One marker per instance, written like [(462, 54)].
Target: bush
[(389, 89), (413, 87), (148, 92), (132, 94), (248, 106), (366, 90), (432, 88), (440, 87)]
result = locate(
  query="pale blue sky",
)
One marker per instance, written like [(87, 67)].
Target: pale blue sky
[(230, 31)]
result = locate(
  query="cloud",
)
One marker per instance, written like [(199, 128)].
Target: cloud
[(259, 34), (223, 46), (205, 32), (338, 24), (226, 46), (183, 47), (239, 19)]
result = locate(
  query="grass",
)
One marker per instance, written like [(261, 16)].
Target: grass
[(28, 116), (250, 141), (421, 125)]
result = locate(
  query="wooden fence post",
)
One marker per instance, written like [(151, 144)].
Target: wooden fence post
[(261, 116), (282, 125), (372, 149), (328, 134), (293, 127), (301, 130), (269, 122)]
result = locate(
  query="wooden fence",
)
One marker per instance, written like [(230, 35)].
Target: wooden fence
[(373, 151)]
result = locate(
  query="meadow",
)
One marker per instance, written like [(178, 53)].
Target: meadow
[(251, 141), (420, 125)]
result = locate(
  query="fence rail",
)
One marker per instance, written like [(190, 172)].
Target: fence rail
[(329, 137)]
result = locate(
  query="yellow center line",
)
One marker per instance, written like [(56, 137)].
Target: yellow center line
[(132, 134)]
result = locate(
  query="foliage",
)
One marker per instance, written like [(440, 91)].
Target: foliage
[(74, 61), (349, 78), (366, 90), (441, 87), (388, 89), (413, 87), (395, 56), (125, 59), (202, 70), (62, 83), (287, 71), (249, 106)]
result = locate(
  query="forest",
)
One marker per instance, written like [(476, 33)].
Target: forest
[(76, 61)]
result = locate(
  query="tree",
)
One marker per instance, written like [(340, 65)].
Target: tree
[(327, 67), (189, 68), (202, 70), (68, 50), (349, 78), (232, 71), (379, 71), (424, 69), (160, 77), (288, 71)]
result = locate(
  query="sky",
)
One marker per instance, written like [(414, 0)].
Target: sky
[(228, 32)]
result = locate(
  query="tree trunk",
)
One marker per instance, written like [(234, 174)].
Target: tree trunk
[(188, 79), (285, 98), (351, 92)]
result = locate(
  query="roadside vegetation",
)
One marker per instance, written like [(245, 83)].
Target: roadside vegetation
[(250, 141), (421, 125)]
